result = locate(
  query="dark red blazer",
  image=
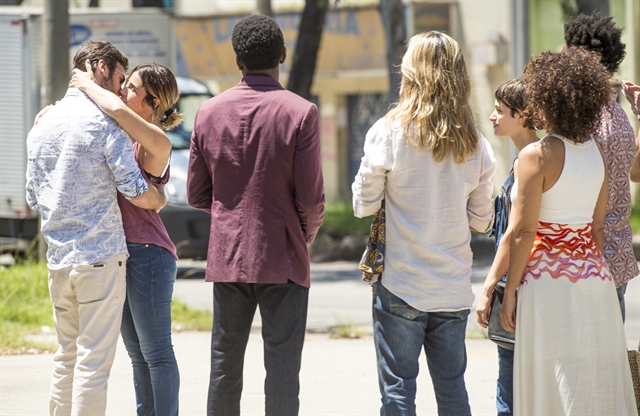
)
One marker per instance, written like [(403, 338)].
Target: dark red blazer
[(255, 166)]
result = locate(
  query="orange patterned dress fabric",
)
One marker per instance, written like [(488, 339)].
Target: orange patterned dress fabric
[(563, 251)]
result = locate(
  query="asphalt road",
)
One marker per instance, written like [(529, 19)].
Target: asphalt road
[(338, 296)]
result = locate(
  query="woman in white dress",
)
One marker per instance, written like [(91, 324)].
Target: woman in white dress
[(570, 355)]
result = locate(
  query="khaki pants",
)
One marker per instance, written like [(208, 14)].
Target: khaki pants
[(87, 302)]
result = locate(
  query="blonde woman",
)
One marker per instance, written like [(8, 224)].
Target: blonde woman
[(143, 110), (426, 159)]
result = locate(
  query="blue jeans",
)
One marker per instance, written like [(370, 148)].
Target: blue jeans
[(399, 333), (621, 290), (146, 329), (504, 394), (283, 308)]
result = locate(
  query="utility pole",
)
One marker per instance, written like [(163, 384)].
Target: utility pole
[(56, 73), (264, 7), (519, 53), (55, 41)]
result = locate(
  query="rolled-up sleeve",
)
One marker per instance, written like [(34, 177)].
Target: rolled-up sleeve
[(368, 186), (308, 180), (121, 160), (480, 203)]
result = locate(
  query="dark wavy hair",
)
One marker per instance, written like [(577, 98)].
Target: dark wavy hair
[(94, 50), (598, 34), (257, 40), (513, 94), (567, 92)]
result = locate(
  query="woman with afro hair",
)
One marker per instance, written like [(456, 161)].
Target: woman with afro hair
[(615, 138), (570, 351)]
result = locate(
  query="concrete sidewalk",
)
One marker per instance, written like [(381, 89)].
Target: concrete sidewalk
[(338, 376)]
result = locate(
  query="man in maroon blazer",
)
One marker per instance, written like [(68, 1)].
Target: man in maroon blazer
[(255, 166)]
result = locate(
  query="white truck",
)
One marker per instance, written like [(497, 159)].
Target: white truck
[(143, 35)]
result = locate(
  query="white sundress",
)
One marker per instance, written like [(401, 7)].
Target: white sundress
[(570, 353)]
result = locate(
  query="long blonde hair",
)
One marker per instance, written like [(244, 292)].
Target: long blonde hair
[(433, 107)]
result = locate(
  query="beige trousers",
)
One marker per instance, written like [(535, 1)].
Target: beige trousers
[(87, 302)]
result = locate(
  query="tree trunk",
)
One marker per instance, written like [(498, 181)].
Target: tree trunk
[(395, 35), (264, 7), (588, 7), (147, 3), (572, 8), (307, 46)]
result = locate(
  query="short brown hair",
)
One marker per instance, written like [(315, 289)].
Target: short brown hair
[(568, 91), (94, 50), (159, 82), (513, 94)]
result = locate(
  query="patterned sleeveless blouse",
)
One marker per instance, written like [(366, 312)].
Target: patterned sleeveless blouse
[(616, 140)]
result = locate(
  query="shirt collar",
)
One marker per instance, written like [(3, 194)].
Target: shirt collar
[(256, 80)]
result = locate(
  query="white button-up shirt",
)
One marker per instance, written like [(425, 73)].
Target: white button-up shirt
[(430, 207), (78, 158)]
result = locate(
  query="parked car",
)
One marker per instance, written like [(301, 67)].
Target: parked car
[(188, 227)]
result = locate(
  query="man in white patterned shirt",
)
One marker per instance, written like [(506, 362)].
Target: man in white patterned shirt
[(78, 159)]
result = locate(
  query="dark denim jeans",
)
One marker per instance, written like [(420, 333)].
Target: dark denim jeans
[(620, 291), (283, 308), (400, 332), (146, 329), (504, 394)]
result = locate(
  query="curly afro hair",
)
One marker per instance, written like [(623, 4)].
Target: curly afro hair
[(257, 40), (598, 34), (567, 92)]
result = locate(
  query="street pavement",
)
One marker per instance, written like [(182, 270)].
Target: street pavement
[(338, 376)]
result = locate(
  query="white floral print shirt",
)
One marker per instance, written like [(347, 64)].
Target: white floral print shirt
[(78, 159)]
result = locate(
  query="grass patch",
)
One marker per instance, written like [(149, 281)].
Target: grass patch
[(187, 319), (347, 330), (25, 309), (339, 220)]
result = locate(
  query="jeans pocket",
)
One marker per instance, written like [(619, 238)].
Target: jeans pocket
[(395, 305), (90, 282), (461, 315), (168, 261)]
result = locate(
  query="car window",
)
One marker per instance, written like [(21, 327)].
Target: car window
[(188, 105)]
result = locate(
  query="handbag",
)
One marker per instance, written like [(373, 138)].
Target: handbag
[(372, 261), (634, 365), (496, 332), (502, 208)]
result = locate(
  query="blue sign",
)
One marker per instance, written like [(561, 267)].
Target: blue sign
[(79, 34)]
